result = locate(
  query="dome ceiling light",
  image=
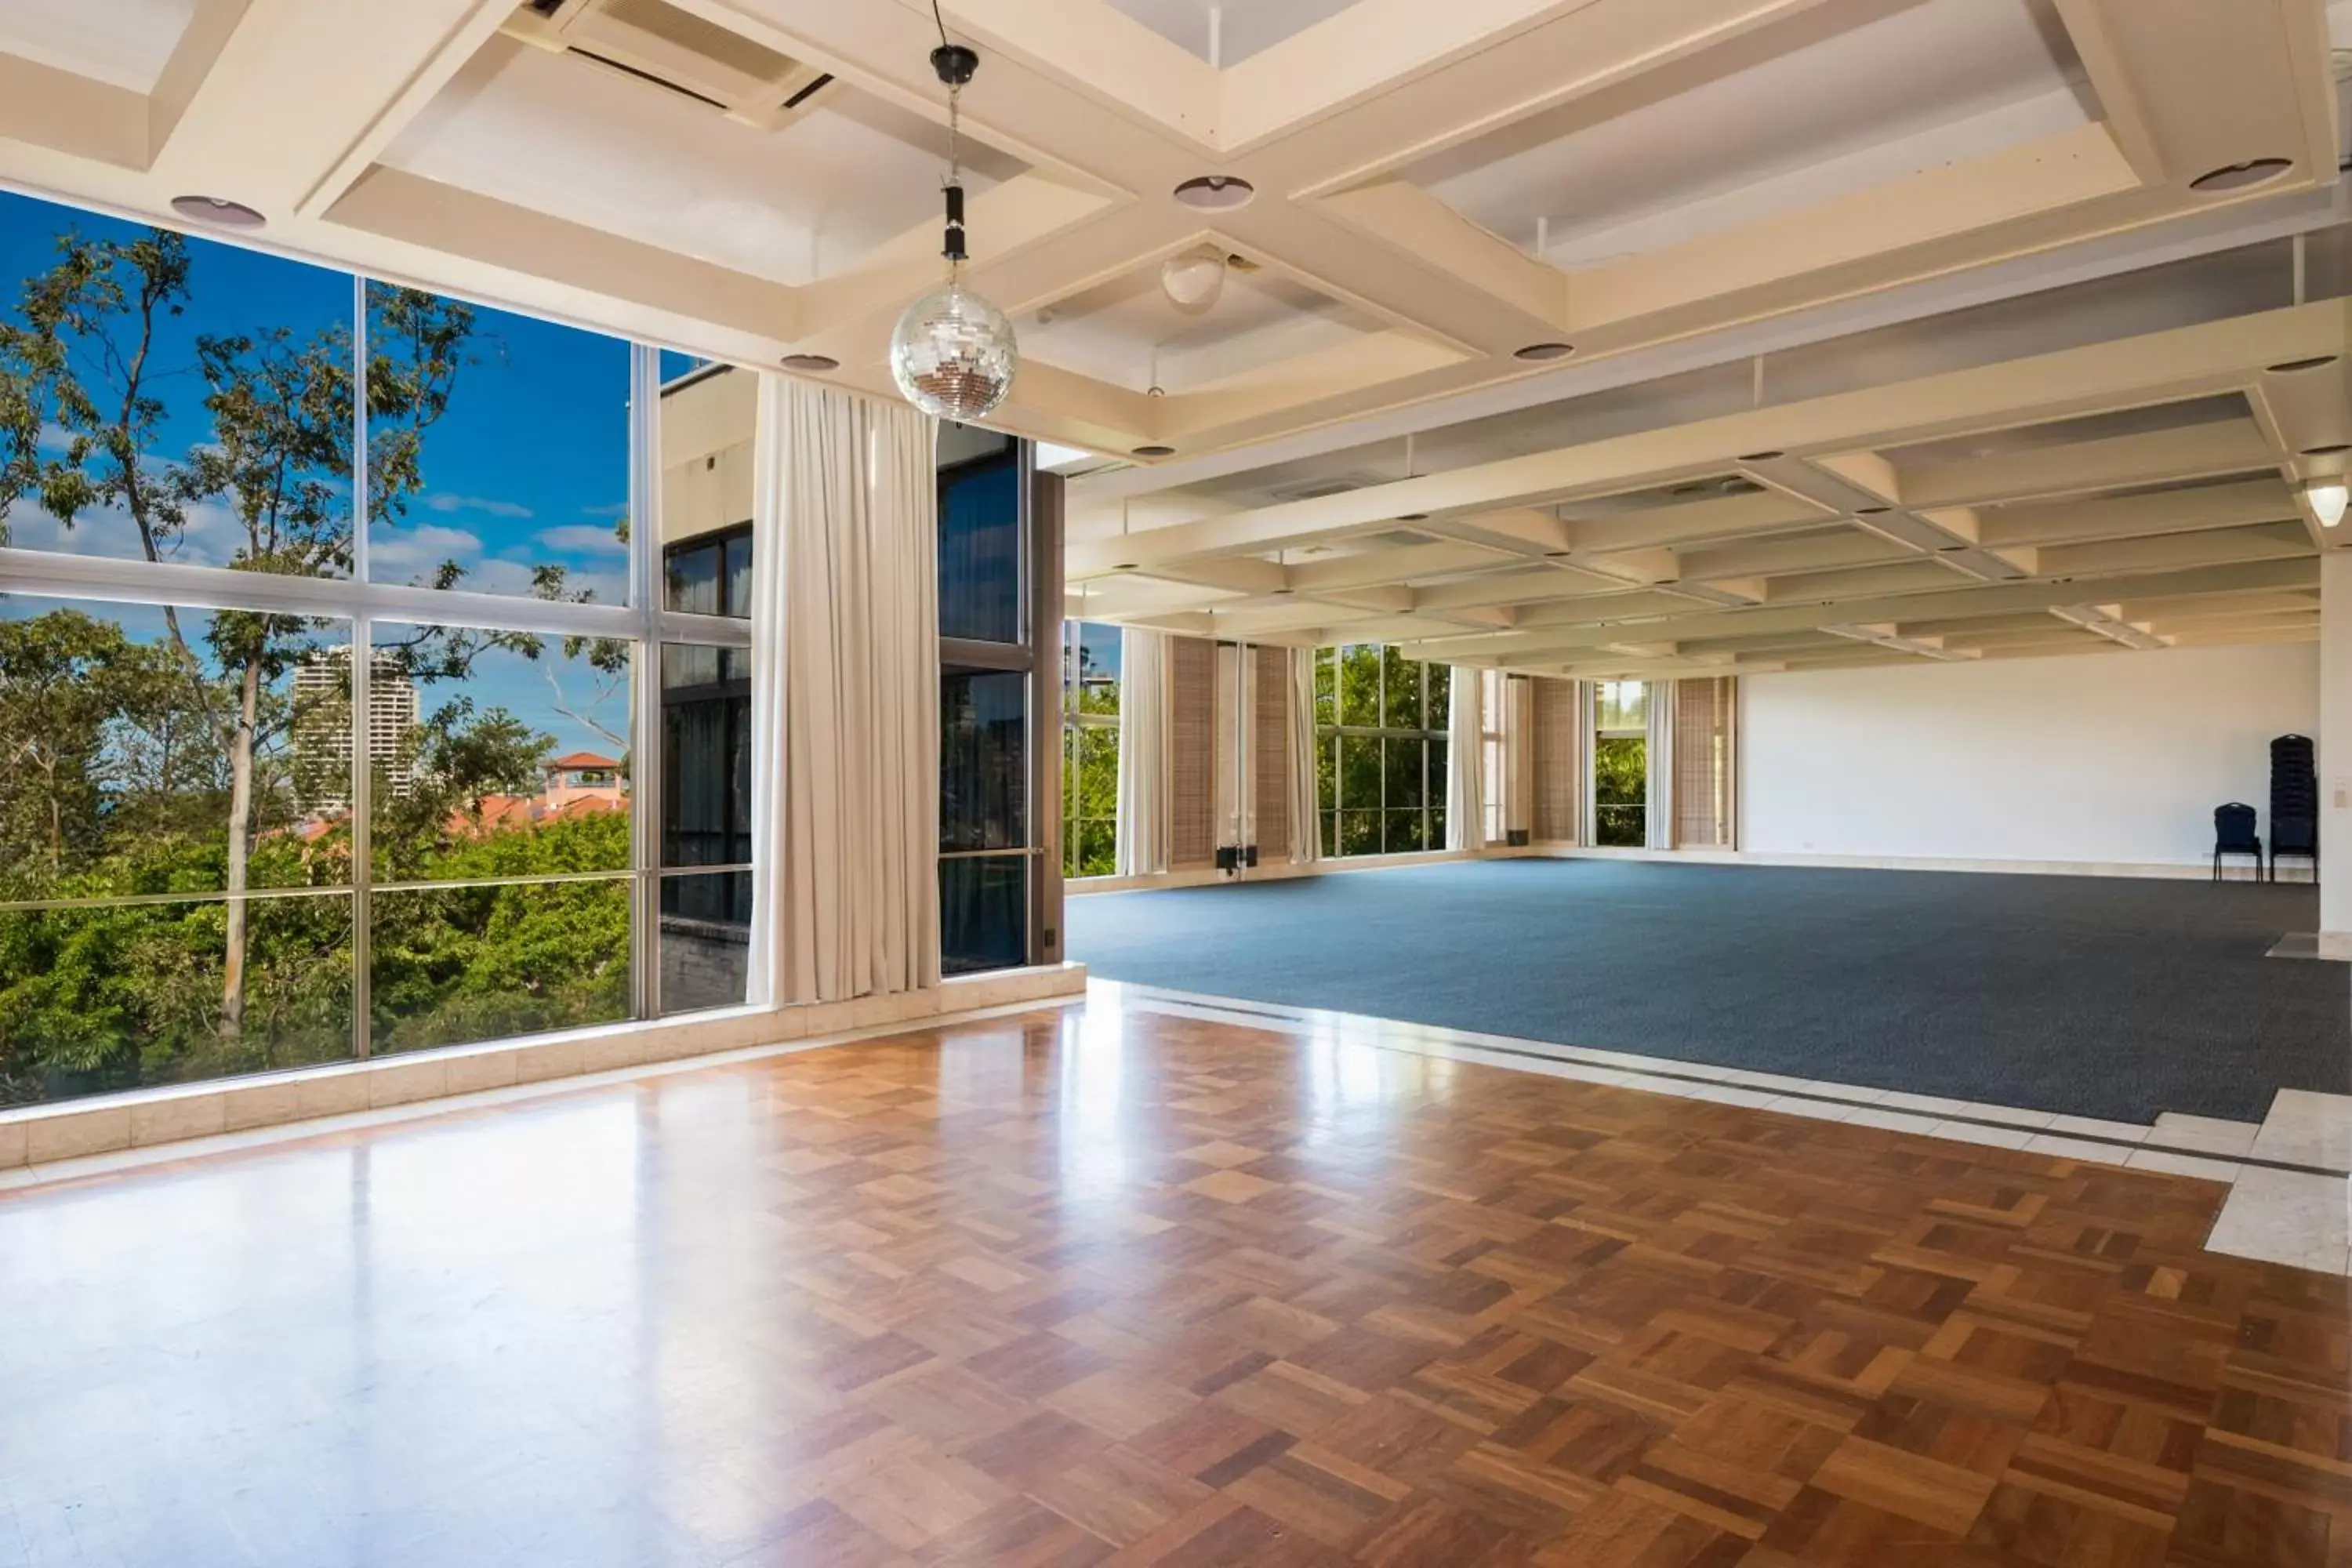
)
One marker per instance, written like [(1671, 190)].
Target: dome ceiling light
[(2242, 176), (1215, 193), (1193, 280), (218, 211), (953, 353), (814, 364)]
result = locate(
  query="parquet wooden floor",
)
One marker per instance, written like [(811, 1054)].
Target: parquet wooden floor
[(1120, 1288)]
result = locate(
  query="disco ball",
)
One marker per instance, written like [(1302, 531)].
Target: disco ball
[(953, 355)]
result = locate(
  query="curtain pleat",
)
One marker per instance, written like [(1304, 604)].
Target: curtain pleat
[(1465, 749), (1659, 755), (1305, 805), (1142, 827), (845, 628)]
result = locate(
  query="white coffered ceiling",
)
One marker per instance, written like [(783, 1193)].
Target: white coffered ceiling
[(1813, 217)]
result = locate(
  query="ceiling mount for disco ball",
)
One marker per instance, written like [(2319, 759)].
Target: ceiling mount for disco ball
[(953, 353)]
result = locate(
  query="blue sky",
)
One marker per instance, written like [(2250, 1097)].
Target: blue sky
[(529, 466)]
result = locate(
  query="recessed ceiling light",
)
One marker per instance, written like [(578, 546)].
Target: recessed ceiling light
[(1414, 517), (2293, 365), (1871, 510), (218, 211), (1762, 457), (1215, 193), (1125, 566), (1544, 350), (815, 363), (1155, 450), (2242, 176), (2329, 450)]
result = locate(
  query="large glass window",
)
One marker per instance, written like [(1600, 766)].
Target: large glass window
[(166, 399), (498, 451), (1381, 721), (1090, 677), (988, 693), (1621, 764), (298, 824)]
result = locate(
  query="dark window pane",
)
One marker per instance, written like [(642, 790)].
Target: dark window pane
[(132, 996), (980, 552), (983, 760), (705, 760), (705, 940), (1359, 832), (1405, 833), (739, 576), (1438, 709), (983, 913), (204, 398), (691, 579), (498, 450), (453, 965), (145, 749), (498, 755), (1326, 776), (1327, 676), (1404, 760)]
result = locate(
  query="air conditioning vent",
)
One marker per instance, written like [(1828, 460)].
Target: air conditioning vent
[(1330, 485), (656, 43)]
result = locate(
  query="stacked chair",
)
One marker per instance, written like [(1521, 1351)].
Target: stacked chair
[(2294, 803)]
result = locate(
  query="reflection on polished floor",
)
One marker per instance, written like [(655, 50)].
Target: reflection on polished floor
[(1116, 1286)]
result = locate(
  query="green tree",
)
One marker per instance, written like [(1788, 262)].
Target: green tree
[(84, 356)]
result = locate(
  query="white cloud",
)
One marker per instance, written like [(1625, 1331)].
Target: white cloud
[(426, 545), (583, 536), (445, 501)]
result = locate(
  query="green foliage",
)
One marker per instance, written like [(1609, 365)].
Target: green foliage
[(1621, 784), (136, 768)]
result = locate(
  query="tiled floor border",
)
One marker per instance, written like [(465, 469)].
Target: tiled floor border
[(173, 1116), (2284, 1210)]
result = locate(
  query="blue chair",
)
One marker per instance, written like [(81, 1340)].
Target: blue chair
[(2233, 834)]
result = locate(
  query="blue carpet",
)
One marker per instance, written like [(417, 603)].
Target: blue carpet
[(2096, 996)]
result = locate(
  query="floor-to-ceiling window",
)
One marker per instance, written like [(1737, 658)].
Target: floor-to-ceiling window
[(1090, 676), (325, 726), (1620, 762), (988, 666), (1380, 725), (1493, 761)]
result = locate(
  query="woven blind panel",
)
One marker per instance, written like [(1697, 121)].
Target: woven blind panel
[(1270, 752), (1553, 716), (1191, 753)]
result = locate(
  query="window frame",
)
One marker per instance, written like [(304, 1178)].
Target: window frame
[(645, 624), (1335, 735), (1075, 721)]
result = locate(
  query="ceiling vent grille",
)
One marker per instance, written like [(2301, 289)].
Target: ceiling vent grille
[(654, 42)]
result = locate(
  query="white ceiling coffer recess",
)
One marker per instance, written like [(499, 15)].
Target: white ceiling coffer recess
[(659, 43)]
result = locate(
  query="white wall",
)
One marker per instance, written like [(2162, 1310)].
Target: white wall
[(2112, 758)]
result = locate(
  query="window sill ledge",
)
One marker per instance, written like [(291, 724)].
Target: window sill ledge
[(39, 1135)]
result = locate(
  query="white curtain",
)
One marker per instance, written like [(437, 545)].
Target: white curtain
[(1142, 828), (1588, 764), (844, 628), (1305, 792), (1660, 756), (1465, 784)]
